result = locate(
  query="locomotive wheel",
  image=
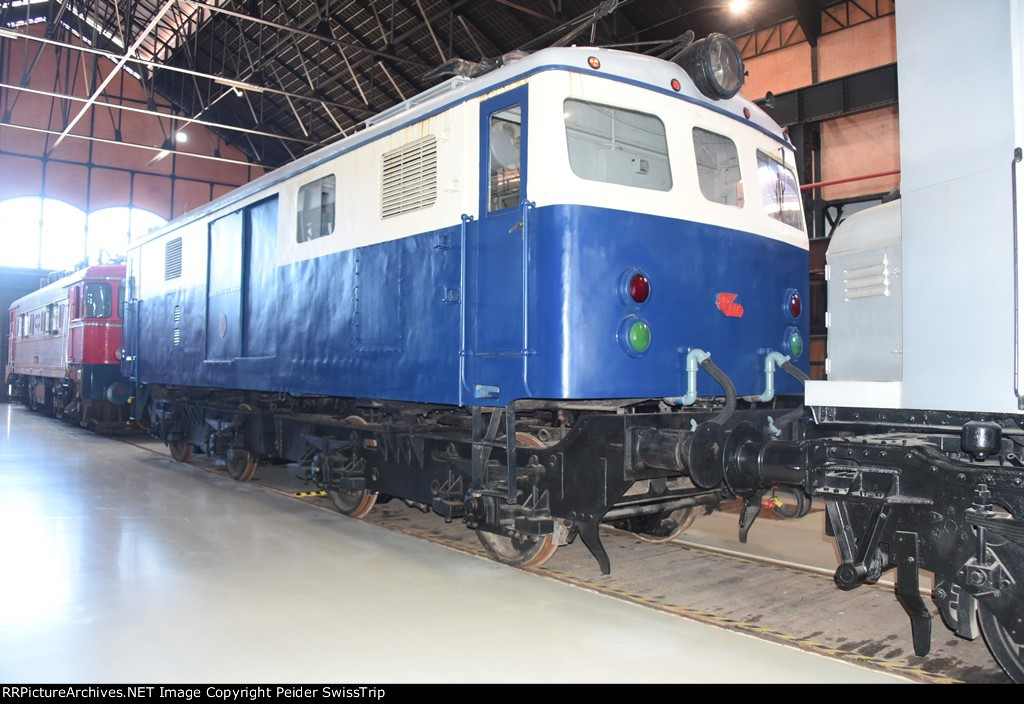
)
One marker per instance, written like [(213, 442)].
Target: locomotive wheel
[(1001, 639), (242, 466), (181, 451), (518, 552), (525, 551), (661, 527), (353, 503)]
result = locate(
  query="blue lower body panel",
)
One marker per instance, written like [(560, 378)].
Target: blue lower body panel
[(442, 317)]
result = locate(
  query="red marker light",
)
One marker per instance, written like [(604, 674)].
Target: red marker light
[(595, 63), (676, 86), (795, 306), (726, 303), (639, 288), (746, 113)]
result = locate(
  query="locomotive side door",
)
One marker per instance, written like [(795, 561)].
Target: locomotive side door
[(242, 283), (224, 288), (496, 254)]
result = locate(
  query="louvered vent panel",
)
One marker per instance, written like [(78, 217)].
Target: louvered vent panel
[(172, 259), (409, 178), (867, 278), (176, 337)]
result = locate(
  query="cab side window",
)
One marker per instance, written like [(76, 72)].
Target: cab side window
[(316, 209), (504, 167), (615, 145), (718, 168), (779, 192)]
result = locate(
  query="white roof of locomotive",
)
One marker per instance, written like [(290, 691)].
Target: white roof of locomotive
[(629, 67)]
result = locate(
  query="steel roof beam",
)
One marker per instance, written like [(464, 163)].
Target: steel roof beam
[(808, 14), (362, 41), (104, 140), (251, 71), (272, 64), (528, 11), (179, 69), (483, 32), (412, 47), (168, 4), (155, 113), (287, 67), (307, 33), (452, 6), (430, 28), (366, 107)]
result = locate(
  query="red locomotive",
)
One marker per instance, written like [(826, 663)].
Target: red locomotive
[(65, 348)]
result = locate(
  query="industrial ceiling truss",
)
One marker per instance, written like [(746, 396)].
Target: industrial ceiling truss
[(279, 78)]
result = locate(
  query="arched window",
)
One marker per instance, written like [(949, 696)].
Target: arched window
[(110, 228), (62, 240), (42, 233), (45, 233), (20, 218)]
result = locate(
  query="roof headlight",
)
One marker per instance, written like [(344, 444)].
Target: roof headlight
[(715, 65)]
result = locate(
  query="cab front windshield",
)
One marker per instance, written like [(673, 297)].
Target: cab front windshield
[(98, 301)]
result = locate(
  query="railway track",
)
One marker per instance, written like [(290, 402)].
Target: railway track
[(773, 599)]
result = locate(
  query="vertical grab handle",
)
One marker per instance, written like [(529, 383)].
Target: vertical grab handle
[(466, 219), (1018, 154), (527, 206)]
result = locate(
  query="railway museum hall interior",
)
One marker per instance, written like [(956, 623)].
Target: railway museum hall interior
[(511, 341)]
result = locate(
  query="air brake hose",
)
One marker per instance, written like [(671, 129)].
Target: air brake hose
[(730, 391), (794, 371), (787, 418), (802, 508)]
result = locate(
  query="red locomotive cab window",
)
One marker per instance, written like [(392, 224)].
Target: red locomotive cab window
[(97, 301)]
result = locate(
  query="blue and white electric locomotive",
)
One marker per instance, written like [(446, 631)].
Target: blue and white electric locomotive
[(497, 300), (568, 227), (542, 257)]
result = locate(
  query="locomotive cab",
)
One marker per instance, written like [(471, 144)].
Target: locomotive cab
[(65, 348), (689, 197)]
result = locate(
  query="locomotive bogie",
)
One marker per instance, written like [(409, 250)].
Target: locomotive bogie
[(910, 501), (488, 468)]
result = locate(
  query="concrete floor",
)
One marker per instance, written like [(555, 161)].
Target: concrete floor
[(120, 565)]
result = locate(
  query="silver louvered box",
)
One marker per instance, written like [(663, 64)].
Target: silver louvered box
[(865, 297)]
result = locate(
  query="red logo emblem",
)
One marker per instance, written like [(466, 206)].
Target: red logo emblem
[(726, 303)]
